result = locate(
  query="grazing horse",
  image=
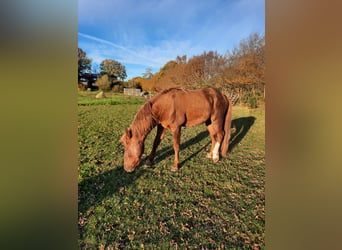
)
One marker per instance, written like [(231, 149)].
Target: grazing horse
[(170, 110)]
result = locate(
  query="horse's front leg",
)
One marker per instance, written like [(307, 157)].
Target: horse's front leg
[(176, 143), (159, 136)]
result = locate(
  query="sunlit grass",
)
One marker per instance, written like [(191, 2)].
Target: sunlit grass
[(88, 98), (202, 205)]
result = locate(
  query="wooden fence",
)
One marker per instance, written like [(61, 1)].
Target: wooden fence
[(134, 92)]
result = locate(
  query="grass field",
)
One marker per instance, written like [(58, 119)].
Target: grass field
[(203, 205)]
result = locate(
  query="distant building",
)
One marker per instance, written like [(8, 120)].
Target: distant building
[(134, 92)]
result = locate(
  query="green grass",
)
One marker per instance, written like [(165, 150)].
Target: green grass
[(203, 205), (88, 98)]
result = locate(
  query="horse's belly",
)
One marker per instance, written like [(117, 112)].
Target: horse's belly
[(194, 123), (196, 117)]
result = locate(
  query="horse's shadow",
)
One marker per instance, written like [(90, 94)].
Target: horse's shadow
[(96, 189), (167, 151), (93, 190), (240, 126)]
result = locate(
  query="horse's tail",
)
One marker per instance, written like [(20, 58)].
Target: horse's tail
[(227, 124)]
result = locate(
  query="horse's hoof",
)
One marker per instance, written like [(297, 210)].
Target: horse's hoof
[(216, 160), (209, 155), (148, 163), (174, 169)]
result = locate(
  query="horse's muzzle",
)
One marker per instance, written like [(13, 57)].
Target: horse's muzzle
[(129, 170)]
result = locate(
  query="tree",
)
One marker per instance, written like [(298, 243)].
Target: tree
[(194, 72), (199, 71), (113, 69), (241, 72), (166, 77), (134, 83), (84, 63), (181, 59), (244, 74), (103, 83), (246, 63), (148, 73)]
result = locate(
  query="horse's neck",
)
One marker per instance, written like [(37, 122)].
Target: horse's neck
[(143, 124), (141, 134)]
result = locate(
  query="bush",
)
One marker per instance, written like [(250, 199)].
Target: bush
[(118, 88), (253, 102), (103, 83)]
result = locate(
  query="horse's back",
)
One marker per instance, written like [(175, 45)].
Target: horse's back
[(195, 106), (178, 107)]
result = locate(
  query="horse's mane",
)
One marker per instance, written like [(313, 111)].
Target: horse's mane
[(165, 91), (143, 121)]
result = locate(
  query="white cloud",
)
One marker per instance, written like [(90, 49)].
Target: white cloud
[(146, 56), (117, 48), (145, 34)]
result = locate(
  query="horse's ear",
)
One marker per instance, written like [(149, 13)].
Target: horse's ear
[(129, 133)]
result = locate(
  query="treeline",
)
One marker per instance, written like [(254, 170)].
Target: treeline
[(111, 76), (240, 73)]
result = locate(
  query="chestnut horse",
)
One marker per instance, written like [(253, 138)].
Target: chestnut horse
[(170, 110)]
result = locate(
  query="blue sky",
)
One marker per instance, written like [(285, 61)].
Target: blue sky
[(148, 34)]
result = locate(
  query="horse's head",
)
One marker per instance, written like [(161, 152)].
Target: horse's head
[(134, 148)]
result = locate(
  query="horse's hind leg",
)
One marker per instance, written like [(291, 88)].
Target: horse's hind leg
[(210, 154), (216, 134), (159, 136)]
